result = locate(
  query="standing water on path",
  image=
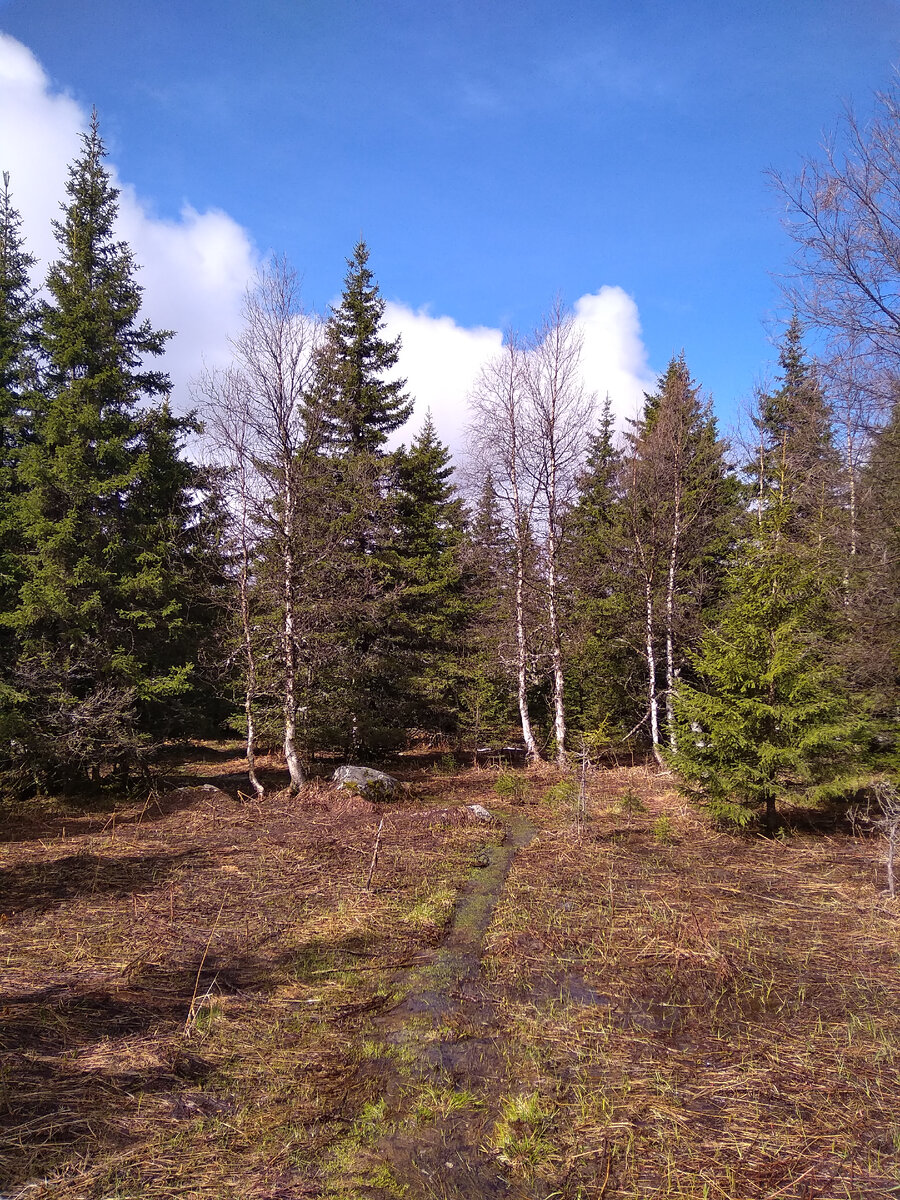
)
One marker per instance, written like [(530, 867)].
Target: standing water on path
[(441, 1046), (435, 987)]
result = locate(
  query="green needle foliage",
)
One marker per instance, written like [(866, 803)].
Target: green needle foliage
[(362, 408), (768, 720), (115, 552)]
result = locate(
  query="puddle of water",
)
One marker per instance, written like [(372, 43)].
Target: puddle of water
[(435, 987), (447, 1160)]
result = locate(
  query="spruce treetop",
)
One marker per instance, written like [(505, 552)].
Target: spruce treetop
[(91, 327), (16, 299), (362, 407)]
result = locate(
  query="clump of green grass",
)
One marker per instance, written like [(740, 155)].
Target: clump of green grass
[(512, 787), (435, 1101), (519, 1137)]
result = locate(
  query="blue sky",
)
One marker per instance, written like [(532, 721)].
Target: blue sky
[(492, 155)]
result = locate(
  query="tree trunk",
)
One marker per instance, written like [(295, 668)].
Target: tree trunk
[(771, 815), (531, 748), (292, 758), (559, 708), (670, 631), (250, 657), (651, 673)]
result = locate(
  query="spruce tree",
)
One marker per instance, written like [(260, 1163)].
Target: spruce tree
[(601, 671), (430, 581), (361, 406), (98, 594), (355, 407), (680, 504), (18, 370), (767, 718), (873, 649), (796, 449), (486, 712)]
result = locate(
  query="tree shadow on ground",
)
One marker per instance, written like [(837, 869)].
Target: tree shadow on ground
[(41, 886)]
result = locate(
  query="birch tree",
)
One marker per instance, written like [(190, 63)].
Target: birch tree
[(560, 418), (271, 433), (229, 432), (499, 443)]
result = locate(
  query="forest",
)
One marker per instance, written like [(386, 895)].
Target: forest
[(622, 927), (268, 563)]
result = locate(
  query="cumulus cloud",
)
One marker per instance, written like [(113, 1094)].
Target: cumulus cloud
[(194, 269), (613, 356), (441, 359)]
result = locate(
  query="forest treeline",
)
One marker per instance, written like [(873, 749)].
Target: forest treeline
[(271, 565)]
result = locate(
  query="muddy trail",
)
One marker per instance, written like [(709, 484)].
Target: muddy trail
[(441, 1040)]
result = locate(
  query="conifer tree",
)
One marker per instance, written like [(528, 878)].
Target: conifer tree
[(873, 651), (601, 671), (485, 709), (427, 569), (361, 407), (680, 505), (767, 720), (796, 449), (98, 594), (18, 370)]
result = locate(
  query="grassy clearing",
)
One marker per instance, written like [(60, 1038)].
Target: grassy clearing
[(201, 1000), (705, 1015), (186, 988)]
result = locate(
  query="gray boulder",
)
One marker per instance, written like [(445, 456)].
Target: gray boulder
[(374, 785)]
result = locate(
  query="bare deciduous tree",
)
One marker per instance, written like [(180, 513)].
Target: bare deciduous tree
[(228, 430), (499, 435), (843, 212), (260, 415), (560, 418)]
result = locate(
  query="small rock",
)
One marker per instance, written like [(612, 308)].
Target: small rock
[(479, 812)]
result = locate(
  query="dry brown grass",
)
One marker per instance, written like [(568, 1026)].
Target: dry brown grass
[(706, 1015), (112, 923), (664, 1010)]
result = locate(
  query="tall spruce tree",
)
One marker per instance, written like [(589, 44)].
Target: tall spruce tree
[(873, 649), (602, 675), (680, 503), (361, 406), (428, 568), (796, 449), (357, 406), (98, 595), (486, 711), (18, 369)]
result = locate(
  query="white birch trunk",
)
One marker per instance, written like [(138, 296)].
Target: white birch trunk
[(250, 658), (651, 672), (670, 629), (531, 748), (559, 709), (292, 758)]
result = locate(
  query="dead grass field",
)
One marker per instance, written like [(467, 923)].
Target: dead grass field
[(199, 998)]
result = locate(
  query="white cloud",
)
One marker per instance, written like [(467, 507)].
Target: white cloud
[(613, 355), (441, 360), (194, 270)]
